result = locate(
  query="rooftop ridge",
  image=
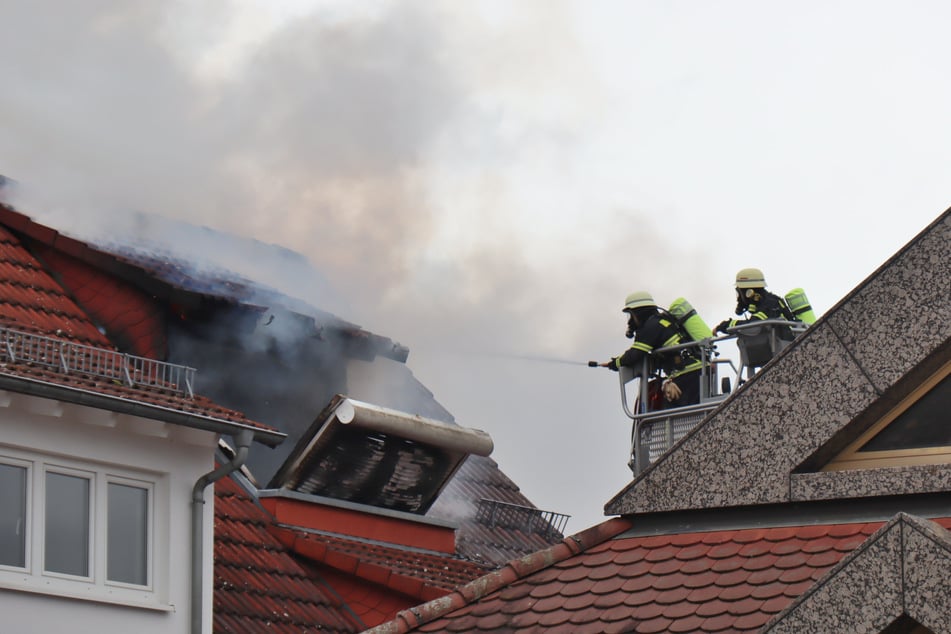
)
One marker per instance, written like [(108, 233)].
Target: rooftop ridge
[(407, 620), (367, 541), (424, 576)]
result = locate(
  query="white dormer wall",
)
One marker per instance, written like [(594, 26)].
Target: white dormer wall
[(115, 456)]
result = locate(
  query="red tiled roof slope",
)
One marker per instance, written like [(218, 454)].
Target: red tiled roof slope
[(31, 301), (31, 298), (423, 574), (259, 586), (373, 604), (378, 580), (719, 581), (120, 307)]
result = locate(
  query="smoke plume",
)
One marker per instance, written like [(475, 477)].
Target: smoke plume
[(388, 144)]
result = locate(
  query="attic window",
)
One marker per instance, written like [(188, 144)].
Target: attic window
[(921, 425), (914, 432)]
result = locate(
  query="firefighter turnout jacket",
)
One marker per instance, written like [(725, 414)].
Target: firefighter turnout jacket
[(760, 304), (659, 331)]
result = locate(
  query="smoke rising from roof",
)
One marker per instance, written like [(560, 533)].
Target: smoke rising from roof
[(332, 136), (406, 149), (325, 138)]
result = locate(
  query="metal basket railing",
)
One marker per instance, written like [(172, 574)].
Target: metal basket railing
[(655, 432), (68, 357), (528, 519)]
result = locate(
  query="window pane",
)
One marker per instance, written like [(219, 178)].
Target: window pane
[(67, 524), (924, 424), (13, 516), (128, 534)]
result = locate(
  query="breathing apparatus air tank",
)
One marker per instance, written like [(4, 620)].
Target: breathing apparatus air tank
[(799, 305), (689, 320)]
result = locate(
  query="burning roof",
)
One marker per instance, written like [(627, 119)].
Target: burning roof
[(277, 359)]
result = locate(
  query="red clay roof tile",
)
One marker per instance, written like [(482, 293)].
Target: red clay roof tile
[(635, 599), (691, 551), (764, 576), (725, 565), (760, 563), (659, 624), (514, 592), (638, 583), (605, 571), (691, 623), (724, 550), (546, 590), (794, 575), (553, 620), (606, 586), (713, 607), (625, 557), (824, 559), (775, 604), (573, 574), (579, 602), (257, 585), (751, 621), (666, 567), (668, 579), (719, 623), (735, 581), (581, 587), (695, 566), (675, 594)]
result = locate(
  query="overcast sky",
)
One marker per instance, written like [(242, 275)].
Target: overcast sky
[(485, 181)]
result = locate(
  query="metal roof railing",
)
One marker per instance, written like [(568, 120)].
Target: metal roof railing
[(68, 357), (654, 432), (528, 519)]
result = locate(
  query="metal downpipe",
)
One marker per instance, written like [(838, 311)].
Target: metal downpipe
[(243, 444)]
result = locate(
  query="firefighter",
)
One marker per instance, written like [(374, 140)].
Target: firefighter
[(651, 329), (753, 299)]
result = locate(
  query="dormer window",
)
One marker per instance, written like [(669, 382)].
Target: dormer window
[(916, 431)]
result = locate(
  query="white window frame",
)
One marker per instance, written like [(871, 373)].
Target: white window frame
[(95, 587), (150, 529), (28, 541), (40, 522)]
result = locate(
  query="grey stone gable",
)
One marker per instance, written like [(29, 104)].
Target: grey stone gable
[(900, 571), (747, 450)]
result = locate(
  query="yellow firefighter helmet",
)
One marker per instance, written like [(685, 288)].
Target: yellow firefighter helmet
[(750, 278), (638, 299)]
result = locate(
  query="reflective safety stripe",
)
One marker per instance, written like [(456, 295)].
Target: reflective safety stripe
[(696, 365), (640, 345), (674, 339)]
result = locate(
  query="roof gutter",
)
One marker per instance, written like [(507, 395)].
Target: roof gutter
[(77, 396), (243, 442)]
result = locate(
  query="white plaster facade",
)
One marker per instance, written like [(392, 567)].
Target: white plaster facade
[(168, 459)]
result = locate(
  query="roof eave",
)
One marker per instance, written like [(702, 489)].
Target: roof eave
[(87, 398)]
